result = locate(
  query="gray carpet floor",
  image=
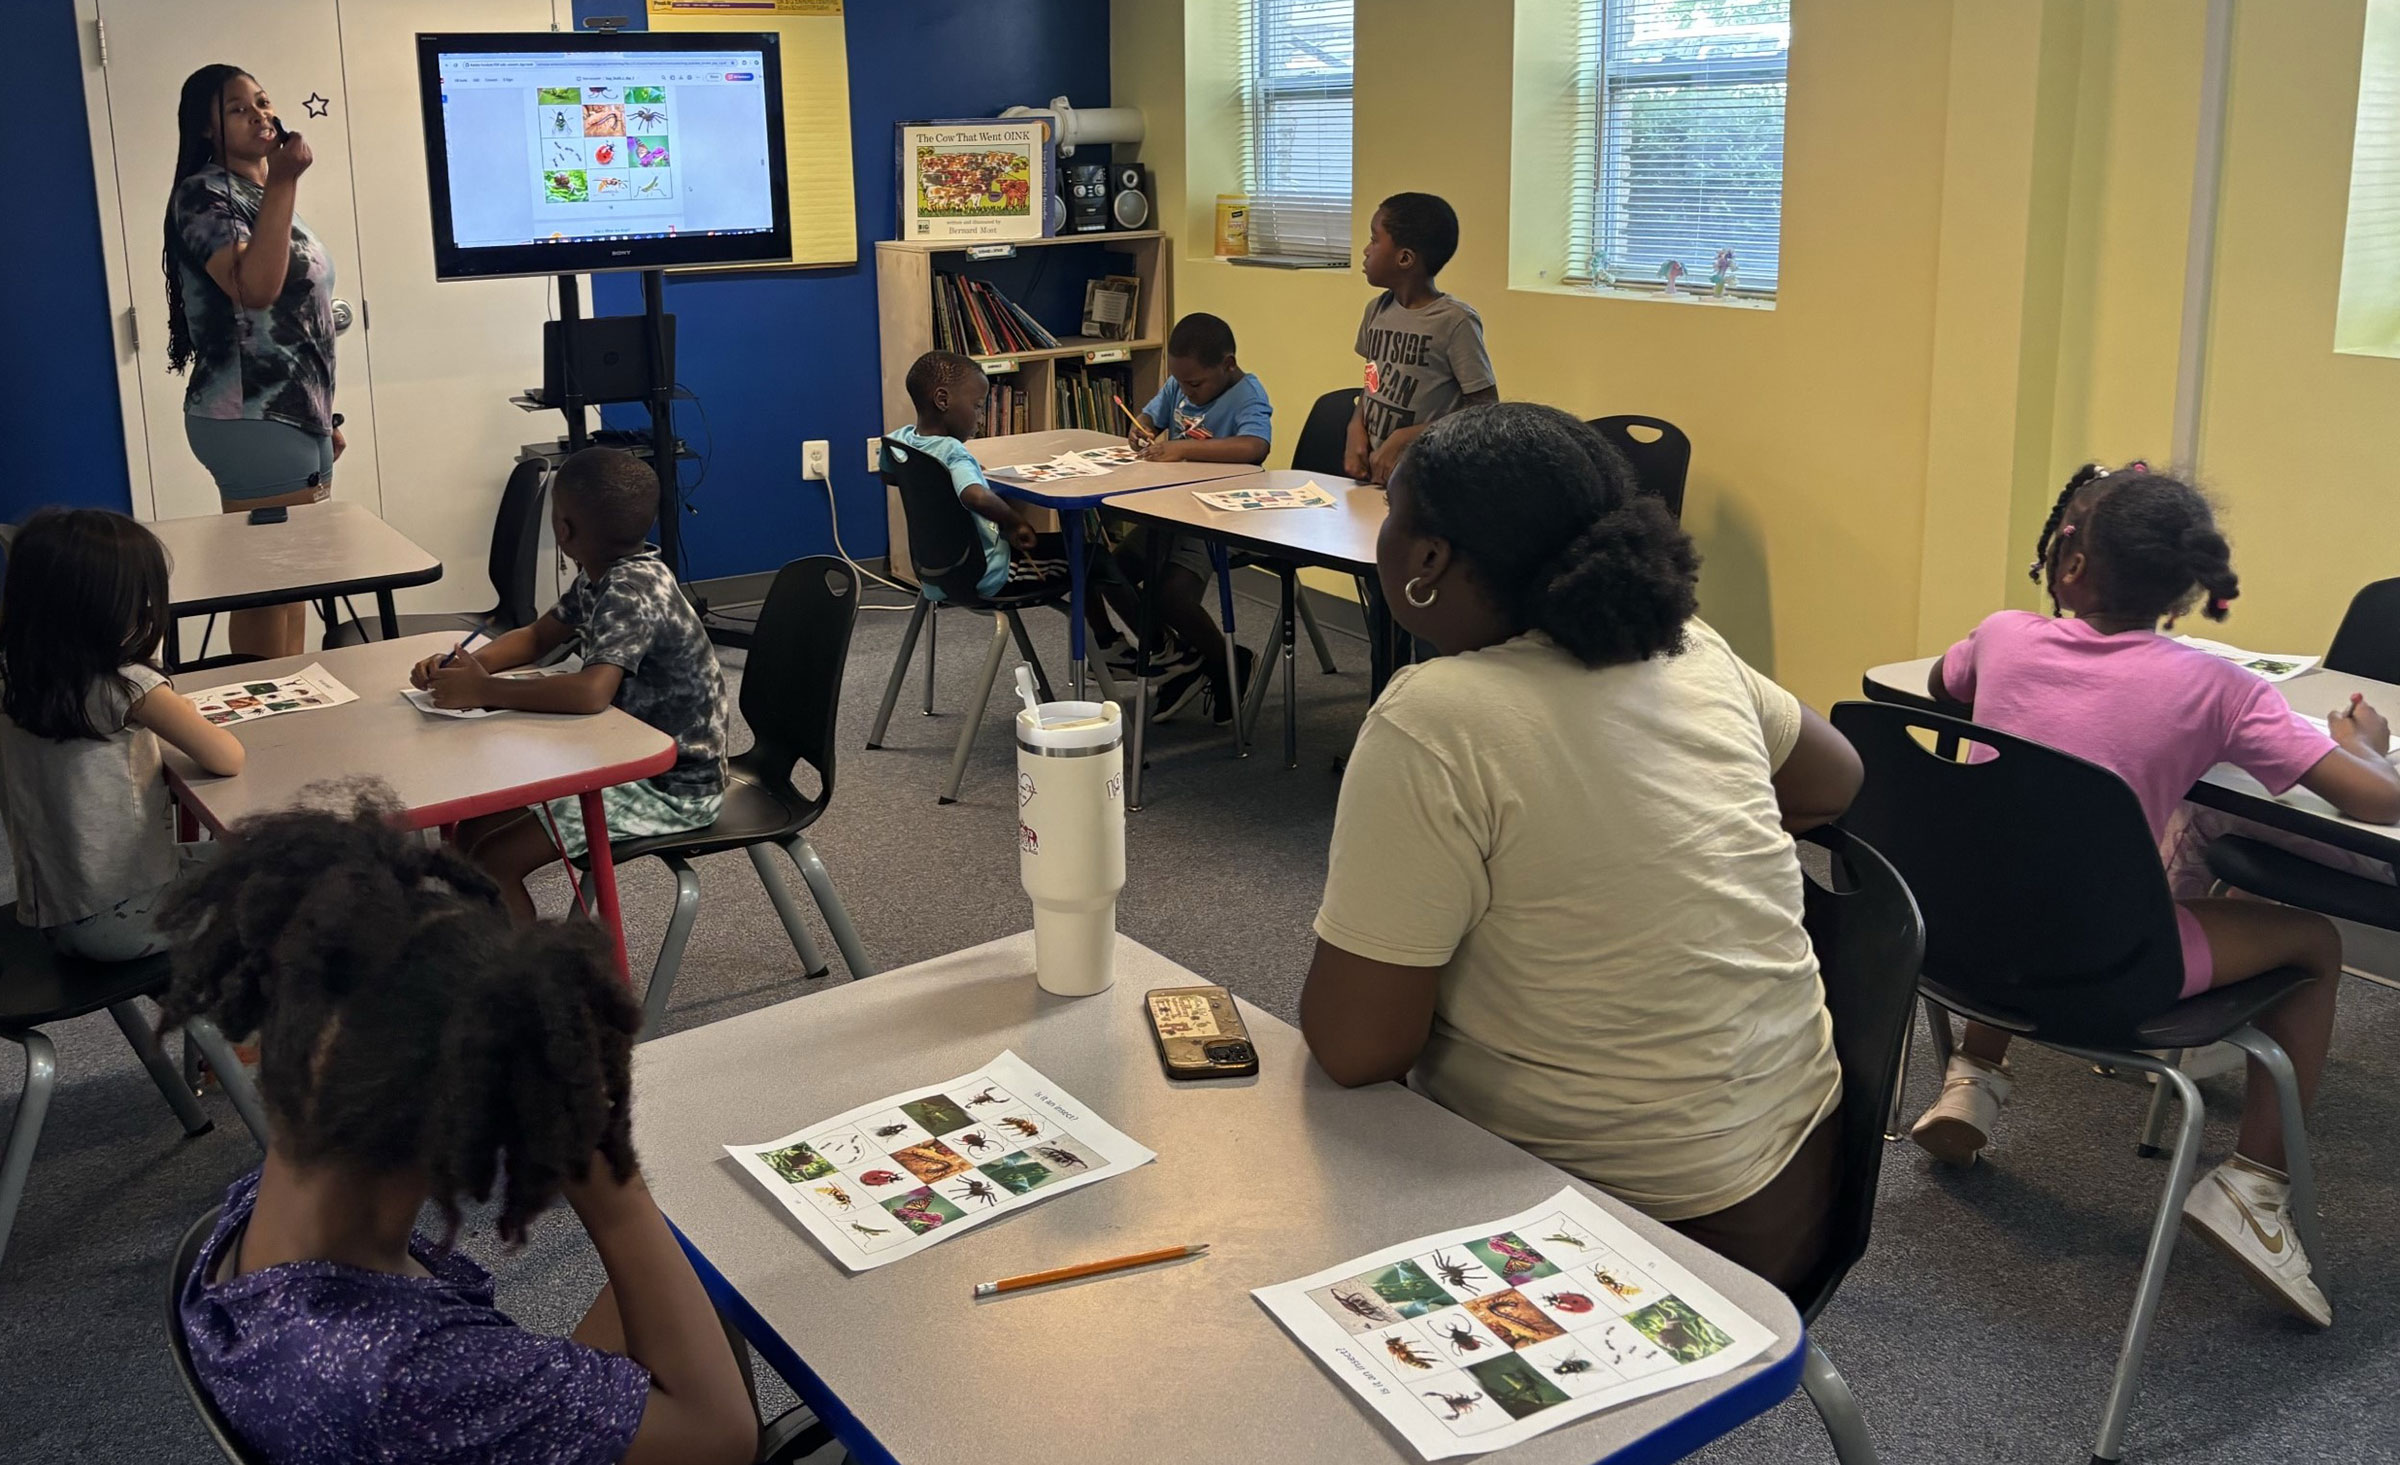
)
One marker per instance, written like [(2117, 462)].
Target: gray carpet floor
[(1982, 1325)]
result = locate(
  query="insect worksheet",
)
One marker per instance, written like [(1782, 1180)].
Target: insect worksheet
[(1483, 1337), (312, 686), (893, 1176), (1243, 500)]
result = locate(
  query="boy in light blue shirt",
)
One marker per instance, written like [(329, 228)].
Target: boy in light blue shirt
[(1208, 410), (948, 390)]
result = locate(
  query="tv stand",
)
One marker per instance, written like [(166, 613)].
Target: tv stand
[(659, 398)]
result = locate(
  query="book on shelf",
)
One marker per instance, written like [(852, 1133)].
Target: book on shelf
[(1111, 306), (975, 319), (1087, 398)]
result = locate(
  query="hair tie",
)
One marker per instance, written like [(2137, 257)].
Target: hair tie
[(2138, 465), (2220, 604), (2066, 531)]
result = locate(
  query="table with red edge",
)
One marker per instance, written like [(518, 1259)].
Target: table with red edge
[(442, 770)]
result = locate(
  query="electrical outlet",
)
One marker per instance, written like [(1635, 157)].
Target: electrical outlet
[(816, 459), (874, 455)]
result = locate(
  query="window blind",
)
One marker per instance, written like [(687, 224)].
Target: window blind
[(1296, 76), (2367, 320), (1679, 141)]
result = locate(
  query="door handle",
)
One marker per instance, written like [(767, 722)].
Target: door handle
[(341, 316)]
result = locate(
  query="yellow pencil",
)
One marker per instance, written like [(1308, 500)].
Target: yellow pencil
[(1088, 1269), (1147, 432)]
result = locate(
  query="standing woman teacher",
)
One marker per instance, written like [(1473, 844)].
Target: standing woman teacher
[(250, 315)]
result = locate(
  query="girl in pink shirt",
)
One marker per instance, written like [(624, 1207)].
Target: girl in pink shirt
[(2121, 553)]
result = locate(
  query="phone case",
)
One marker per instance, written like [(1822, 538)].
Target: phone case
[(1200, 1033)]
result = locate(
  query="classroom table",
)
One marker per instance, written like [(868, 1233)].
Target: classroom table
[(1282, 1175), (2226, 788), (442, 769), (1340, 538), (223, 562), (1070, 498)]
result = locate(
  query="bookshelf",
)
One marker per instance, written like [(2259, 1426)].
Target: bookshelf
[(904, 294)]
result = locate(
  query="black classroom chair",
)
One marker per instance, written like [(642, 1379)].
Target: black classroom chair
[(946, 552), (179, 1346), (39, 986), (2366, 645), (1660, 462), (791, 698), (2047, 916), (513, 566), (1869, 943)]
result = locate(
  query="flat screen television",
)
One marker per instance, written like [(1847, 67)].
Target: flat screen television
[(558, 153)]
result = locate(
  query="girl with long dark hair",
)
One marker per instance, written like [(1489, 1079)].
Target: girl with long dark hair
[(83, 706), (249, 315)]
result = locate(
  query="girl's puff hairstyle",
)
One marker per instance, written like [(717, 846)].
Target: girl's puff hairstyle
[(404, 1022), (86, 594), (1549, 521), (2149, 540)]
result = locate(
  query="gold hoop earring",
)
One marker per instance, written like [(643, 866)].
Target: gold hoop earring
[(1410, 590)]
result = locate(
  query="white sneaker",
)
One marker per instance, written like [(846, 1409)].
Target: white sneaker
[(1959, 1124), (2244, 1211)]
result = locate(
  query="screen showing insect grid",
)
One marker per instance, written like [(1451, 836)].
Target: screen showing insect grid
[(564, 153)]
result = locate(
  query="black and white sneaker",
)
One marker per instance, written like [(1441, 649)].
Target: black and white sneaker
[(1179, 691), (1221, 705)]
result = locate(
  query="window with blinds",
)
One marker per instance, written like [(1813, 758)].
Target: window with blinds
[(1296, 71), (1679, 144), (2367, 320)]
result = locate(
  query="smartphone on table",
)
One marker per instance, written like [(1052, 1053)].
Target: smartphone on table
[(1200, 1033)]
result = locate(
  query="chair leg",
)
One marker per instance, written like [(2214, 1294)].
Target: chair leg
[(1254, 697), (135, 1025), (670, 949), (2296, 1162), (1041, 678), (2154, 1119), (829, 905), (933, 628), (1937, 1027), (976, 709), (1830, 1392), (1896, 1111), (891, 688), (1316, 638), (231, 1076), (1108, 683), (41, 1076), (787, 910), (2111, 1440)]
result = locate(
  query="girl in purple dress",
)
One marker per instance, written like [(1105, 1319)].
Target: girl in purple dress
[(416, 1047)]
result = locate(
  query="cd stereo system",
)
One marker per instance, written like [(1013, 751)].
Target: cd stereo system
[(1104, 196)]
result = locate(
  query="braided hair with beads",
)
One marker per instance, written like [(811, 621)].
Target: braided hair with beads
[(2149, 541), (404, 1023)]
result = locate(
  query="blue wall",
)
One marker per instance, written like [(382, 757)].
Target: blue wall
[(58, 373), (779, 358)]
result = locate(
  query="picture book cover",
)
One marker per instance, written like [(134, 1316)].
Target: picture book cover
[(973, 181)]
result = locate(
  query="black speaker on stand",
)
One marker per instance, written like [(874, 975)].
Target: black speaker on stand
[(1129, 197)]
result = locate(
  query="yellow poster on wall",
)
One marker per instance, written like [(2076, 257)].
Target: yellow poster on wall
[(816, 111)]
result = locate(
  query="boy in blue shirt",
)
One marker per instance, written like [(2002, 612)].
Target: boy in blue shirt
[(948, 391), (1208, 410)]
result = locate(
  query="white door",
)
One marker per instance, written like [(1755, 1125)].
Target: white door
[(432, 365), (446, 356), (294, 49)]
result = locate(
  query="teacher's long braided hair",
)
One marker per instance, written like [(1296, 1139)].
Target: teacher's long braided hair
[(199, 134)]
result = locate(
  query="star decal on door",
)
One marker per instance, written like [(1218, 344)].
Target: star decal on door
[(317, 106)]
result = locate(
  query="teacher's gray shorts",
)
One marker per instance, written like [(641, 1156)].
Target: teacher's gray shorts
[(257, 458)]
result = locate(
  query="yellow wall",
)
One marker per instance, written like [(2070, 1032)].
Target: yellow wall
[(1984, 224)]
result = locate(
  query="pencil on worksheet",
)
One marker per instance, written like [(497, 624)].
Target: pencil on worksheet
[(1088, 1269)]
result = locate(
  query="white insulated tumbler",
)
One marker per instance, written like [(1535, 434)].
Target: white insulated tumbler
[(1071, 839)]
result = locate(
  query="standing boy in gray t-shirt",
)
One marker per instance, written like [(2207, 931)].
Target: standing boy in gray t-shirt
[(1424, 349)]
